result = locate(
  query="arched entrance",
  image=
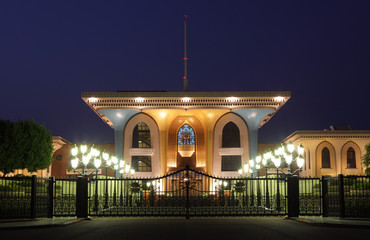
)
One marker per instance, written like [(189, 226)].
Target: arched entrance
[(186, 144)]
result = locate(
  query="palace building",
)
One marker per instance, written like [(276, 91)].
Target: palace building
[(161, 132)]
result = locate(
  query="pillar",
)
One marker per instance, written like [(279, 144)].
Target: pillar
[(119, 119), (253, 118)]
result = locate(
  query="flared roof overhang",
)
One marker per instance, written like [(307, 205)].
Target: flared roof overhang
[(141, 101)]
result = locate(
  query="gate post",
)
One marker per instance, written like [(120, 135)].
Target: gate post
[(341, 196), (51, 197), (33, 196), (82, 197), (293, 196), (324, 194)]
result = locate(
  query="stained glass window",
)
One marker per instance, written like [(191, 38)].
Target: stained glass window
[(186, 136)]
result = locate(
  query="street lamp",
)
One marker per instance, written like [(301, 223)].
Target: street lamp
[(285, 154), (82, 154)]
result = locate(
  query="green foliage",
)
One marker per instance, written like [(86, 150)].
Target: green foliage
[(10, 187), (24, 145), (366, 159)]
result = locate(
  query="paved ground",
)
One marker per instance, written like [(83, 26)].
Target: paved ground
[(179, 228)]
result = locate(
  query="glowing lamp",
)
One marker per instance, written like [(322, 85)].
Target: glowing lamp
[(276, 161), (74, 163), (290, 147), (83, 149), (300, 149), (86, 159), (288, 159), (251, 163), (240, 171), (258, 158), (105, 156), (300, 162), (74, 151), (127, 168), (132, 171), (148, 184), (114, 160), (264, 162), (97, 162), (246, 167), (225, 183)]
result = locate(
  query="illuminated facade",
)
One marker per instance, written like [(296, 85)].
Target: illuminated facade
[(332, 152), (161, 132)]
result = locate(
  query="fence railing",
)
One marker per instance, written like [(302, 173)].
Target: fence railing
[(346, 196), (205, 196), (31, 197), (26, 197)]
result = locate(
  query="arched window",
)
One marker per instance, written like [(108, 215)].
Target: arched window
[(351, 158), (141, 136), (186, 135), (325, 158), (230, 136), (186, 141)]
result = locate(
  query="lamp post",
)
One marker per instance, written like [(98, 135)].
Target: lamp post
[(284, 153), (108, 163), (82, 154)]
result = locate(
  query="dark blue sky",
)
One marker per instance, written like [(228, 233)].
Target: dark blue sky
[(51, 51)]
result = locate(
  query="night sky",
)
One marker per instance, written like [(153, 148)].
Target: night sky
[(51, 51)]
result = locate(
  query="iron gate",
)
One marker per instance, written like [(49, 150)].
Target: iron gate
[(187, 193)]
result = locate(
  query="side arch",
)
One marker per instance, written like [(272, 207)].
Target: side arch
[(219, 151), (154, 151), (320, 171), (345, 169)]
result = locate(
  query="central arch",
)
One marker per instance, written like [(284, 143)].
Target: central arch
[(197, 160)]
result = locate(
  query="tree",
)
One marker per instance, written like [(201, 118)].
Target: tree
[(366, 159), (24, 144)]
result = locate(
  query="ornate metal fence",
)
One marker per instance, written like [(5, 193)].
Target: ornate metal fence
[(310, 196), (25, 197), (187, 193), (346, 196), (65, 197)]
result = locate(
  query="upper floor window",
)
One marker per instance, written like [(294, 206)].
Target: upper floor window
[(141, 163), (186, 135), (230, 136), (325, 158), (351, 158), (141, 136)]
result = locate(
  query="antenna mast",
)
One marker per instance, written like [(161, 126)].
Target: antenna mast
[(185, 57)]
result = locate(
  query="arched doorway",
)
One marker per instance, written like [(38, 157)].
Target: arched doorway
[(186, 144)]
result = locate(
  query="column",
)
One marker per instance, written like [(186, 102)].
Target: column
[(253, 118)]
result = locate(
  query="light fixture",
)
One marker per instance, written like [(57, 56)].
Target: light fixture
[(139, 99), (93, 100), (300, 149), (231, 99), (185, 99), (290, 147), (279, 99)]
